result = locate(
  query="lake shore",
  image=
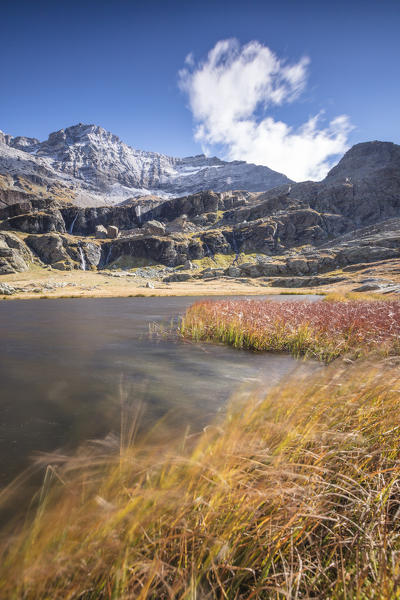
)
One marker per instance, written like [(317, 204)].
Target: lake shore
[(41, 283), (303, 472), (79, 284)]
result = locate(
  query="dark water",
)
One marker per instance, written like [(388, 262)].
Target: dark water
[(66, 366)]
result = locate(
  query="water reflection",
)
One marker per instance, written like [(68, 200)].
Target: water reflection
[(63, 363)]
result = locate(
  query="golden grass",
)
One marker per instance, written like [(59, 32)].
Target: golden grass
[(294, 496), (363, 296)]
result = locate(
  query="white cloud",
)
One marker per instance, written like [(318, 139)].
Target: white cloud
[(230, 94), (189, 60)]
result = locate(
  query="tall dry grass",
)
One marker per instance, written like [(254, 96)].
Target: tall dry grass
[(295, 496), (322, 330)]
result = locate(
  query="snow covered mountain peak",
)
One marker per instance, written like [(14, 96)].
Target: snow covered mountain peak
[(103, 169), (76, 135)]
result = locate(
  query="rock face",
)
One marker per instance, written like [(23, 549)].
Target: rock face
[(112, 232), (15, 256), (6, 290), (364, 187), (157, 249), (154, 228), (101, 232), (351, 217), (38, 222), (96, 167), (64, 254)]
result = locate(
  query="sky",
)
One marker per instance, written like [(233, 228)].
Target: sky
[(289, 84)]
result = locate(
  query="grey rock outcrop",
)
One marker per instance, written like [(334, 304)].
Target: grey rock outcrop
[(51, 249), (101, 232), (62, 253), (154, 228), (158, 249), (364, 187), (178, 277), (15, 256), (188, 265), (352, 217), (6, 290), (112, 232), (37, 222)]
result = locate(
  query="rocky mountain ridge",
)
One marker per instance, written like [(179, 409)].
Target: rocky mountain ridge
[(293, 235), (96, 167)]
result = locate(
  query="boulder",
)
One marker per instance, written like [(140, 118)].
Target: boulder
[(154, 228), (233, 271), (367, 287), (250, 270), (6, 290), (15, 256), (112, 232), (209, 273), (101, 232), (188, 265), (297, 266), (178, 277), (49, 247)]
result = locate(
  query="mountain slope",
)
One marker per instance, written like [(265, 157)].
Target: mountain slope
[(350, 218), (363, 187), (100, 168)]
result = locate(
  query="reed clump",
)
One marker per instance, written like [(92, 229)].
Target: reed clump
[(293, 496), (321, 330)]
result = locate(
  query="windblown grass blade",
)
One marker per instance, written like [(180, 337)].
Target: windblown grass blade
[(293, 496), (322, 330)]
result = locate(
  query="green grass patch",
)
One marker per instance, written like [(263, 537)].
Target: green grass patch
[(225, 260)]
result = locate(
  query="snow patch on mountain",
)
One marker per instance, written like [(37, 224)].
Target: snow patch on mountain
[(101, 169)]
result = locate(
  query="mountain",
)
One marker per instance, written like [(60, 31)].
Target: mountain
[(291, 233), (364, 186), (94, 167), (364, 160)]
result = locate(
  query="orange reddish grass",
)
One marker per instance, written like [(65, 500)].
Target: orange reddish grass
[(321, 329)]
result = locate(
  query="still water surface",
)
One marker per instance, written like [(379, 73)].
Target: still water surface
[(64, 362)]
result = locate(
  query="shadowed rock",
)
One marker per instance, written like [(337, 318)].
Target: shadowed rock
[(15, 256)]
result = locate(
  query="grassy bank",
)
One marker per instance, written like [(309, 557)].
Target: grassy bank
[(323, 330), (296, 496)]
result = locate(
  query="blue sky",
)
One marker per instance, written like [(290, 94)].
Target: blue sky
[(116, 64)]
